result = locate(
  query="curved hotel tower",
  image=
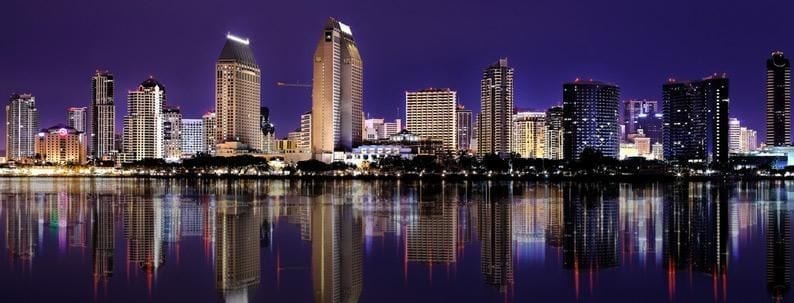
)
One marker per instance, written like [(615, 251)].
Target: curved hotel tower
[(590, 118), (337, 92), (237, 94)]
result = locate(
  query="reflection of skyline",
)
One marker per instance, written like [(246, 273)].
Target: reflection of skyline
[(237, 262), (336, 251), (22, 228), (104, 238), (590, 215), (495, 230), (778, 251)]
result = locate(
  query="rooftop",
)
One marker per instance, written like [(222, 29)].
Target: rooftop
[(237, 49)]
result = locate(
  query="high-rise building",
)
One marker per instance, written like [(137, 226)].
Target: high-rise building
[(651, 125), (268, 130), (143, 124), (22, 125), (192, 137), (208, 122), (305, 141), (529, 134), (734, 136), (590, 118), (748, 140), (61, 144), (554, 133), (633, 109), (374, 129), (430, 113), (103, 116), (696, 119), (337, 92), (778, 100), (76, 118), (496, 109), (391, 128), (172, 133), (237, 94), (465, 128)]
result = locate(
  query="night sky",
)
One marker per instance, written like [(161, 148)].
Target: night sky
[(51, 48)]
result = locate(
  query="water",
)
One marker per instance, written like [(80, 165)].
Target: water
[(126, 240)]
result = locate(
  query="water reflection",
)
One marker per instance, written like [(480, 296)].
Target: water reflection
[(351, 241)]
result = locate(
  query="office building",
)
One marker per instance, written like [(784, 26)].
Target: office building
[(304, 141), (696, 120), (237, 94), (529, 134), (337, 92), (465, 128), (778, 100), (633, 110), (143, 124), (496, 110), (61, 144), (22, 125), (192, 137), (76, 118), (172, 133), (651, 125), (430, 113), (268, 130), (210, 133), (391, 128), (103, 116), (554, 133), (748, 140), (734, 136), (590, 118)]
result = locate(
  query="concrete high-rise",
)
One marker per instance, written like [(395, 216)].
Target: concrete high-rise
[(554, 133), (192, 137), (103, 115), (208, 123), (464, 127), (237, 94), (76, 118), (337, 92), (172, 133), (143, 124), (778, 100), (61, 144), (496, 110), (430, 113), (734, 135), (305, 140), (590, 118), (529, 134), (633, 110), (22, 126), (696, 120), (267, 129)]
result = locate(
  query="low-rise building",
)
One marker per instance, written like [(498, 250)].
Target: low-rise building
[(60, 144)]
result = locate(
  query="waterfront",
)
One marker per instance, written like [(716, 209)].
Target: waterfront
[(135, 240)]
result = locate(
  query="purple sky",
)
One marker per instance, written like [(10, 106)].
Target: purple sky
[(51, 48)]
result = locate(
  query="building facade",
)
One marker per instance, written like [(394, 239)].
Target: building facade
[(22, 125), (590, 118), (103, 116), (61, 144), (337, 92), (237, 94), (76, 118), (496, 110), (267, 129), (172, 133), (430, 113), (696, 120), (210, 133), (633, 110), (529, 134), (305, 141), (465, 129), (554, 133), (143, 124), (778, 100), (651, 125), (734, 136), (192, 137)]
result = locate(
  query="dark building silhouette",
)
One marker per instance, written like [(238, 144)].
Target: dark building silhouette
[(778, 251), (591, 224), (778, 100), (103, 236), (590, 118), (696, 119)]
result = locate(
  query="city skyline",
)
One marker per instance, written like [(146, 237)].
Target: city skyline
[(539, 70)]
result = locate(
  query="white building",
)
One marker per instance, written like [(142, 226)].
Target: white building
[(192, 137), (529, 132), (734, 136), (305, 139), (208, 123), (431, 113), (143, 124), (172, 133), (22, 126)]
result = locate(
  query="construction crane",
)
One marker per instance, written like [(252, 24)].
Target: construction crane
[(297, 84)]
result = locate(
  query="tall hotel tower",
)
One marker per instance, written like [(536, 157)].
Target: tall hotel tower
[(103, 115), (143, 125), (778, 100), (337, 92), (22, 125), (430, 113), (237, 93), (590, 118), (496, 105)]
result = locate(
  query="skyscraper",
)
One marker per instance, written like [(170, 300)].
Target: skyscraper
[(778, 100), (651, 125), (237, 94), (143, 124), (172, 133), (465, 128), (103, 115), (337, 92), (496, 109), (748, 140), (696, 119), (590, 118), (305, 142), (267, 130), (210, 132), (430, 113), (22, 125), (529, 138), (734, 135), (633, 109), (554, 133), (192, 137), (76, 118)]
